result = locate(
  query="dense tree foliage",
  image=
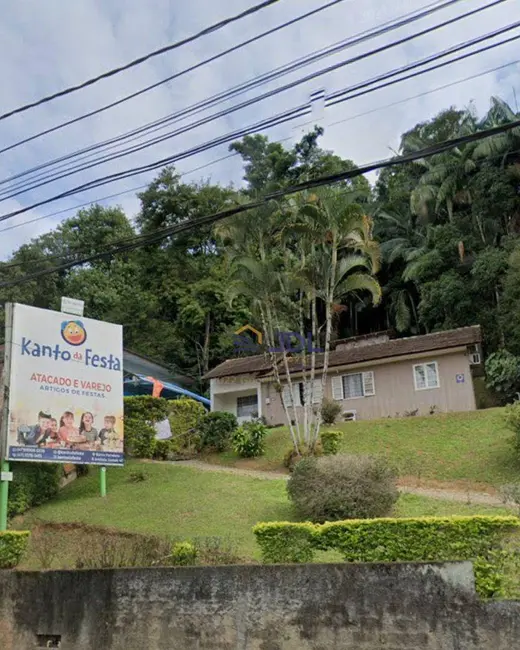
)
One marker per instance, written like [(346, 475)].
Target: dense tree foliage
[(448, 228)]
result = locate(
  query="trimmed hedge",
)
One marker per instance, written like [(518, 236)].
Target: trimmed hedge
[(424, 539), (13, 544)]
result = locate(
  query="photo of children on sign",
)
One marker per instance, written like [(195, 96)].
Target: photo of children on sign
[(66, 389)]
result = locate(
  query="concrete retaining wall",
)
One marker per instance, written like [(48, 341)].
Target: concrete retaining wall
[(323, 607)]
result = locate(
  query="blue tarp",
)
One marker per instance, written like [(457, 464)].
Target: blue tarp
[(132, 387)]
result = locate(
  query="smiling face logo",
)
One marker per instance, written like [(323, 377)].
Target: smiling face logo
[(73, 332)]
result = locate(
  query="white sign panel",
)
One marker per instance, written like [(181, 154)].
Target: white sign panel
[(72, 306), (65, 389)]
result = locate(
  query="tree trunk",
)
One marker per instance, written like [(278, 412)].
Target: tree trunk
[(207, 337)]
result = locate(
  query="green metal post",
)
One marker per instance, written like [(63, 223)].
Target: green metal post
[(103, 481), (4, 493)]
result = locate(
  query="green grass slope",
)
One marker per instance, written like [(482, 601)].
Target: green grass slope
[(185, 503), (471, 449)]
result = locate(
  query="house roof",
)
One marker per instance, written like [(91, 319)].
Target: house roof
[(256, 364), (260, 365)]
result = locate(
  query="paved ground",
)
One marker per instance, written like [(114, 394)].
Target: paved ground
[(468, 496)]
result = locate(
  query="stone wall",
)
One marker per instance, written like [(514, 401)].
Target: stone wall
[(323, 607)]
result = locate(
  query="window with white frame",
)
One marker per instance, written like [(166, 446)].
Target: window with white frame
[(426, 375), (302, 392), (247, 406), (356, 384)]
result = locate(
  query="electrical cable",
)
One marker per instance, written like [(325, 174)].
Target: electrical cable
[(213, 162), (145, 240), (142, 59), (297, 112), (200, 64)]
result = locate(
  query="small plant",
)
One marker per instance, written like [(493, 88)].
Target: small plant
[(342, 487), (330, 411), (216, 430), (249, 439), (330, 441), (183, 554), (137, 476), (433, 409), (411, 414)]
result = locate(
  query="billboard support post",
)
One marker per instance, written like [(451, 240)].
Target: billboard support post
[(103, 481), (5, 475), (4, 495)]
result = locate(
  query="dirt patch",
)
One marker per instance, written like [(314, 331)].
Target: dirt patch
[(457, 485)]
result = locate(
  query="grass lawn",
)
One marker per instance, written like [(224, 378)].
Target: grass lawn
[(467, 449), (185, 503)]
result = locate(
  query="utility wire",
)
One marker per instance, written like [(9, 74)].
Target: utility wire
[(239, 89), (145, 240), (295, 113), (171, 77), (142, 59), (213, 162)]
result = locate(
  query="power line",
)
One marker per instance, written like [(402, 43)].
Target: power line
[(145, 240), (213, 162), (239, 89), (142, 59), (295, 113), (20, 189)]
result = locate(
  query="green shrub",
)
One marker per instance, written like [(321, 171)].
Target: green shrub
[(216, 430), (292, 457), (146, 408), (330, 441), (287, 542), (249, 439), (422, 539), (13, 544), (503, 374), (183, 554), (185, 417), (330, 411), (140, 439), (142, 412), (342, 487), (32, 485)]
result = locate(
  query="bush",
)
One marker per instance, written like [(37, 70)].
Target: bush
[(141, 413), (342, 487), (503, 374), (216, 430), (185, 416), (249, 439), (330, 441), (287, 542), (183, 554), (330, 411), (424, 539), (32, 485), (13, 544)]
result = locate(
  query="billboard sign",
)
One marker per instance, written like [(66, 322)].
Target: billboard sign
[(65, 389)]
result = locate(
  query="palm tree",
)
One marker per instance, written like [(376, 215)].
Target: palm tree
[(314, 248)]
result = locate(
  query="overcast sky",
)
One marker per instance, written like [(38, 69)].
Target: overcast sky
[(46, 46)]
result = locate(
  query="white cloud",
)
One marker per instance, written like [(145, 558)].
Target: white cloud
[(47, 46)]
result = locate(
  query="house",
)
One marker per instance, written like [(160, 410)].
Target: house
[(370, 376)]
